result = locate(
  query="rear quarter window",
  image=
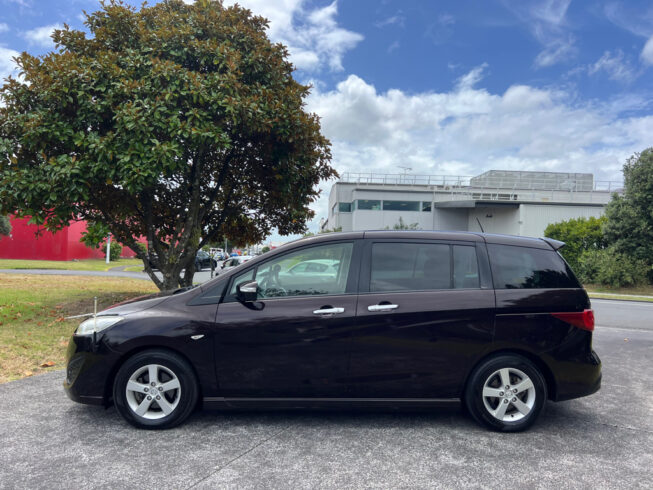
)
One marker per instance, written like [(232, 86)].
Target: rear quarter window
[(529, 268)]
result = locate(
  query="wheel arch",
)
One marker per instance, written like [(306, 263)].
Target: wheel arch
[(546, 371), (108, 388)]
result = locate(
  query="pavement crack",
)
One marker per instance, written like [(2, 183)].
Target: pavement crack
[(244, 453), (615, 426)]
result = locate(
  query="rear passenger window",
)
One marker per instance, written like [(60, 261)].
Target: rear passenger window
[(422, 266), (528, 268), (465, 268)]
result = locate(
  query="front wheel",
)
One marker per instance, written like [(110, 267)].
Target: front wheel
[(155, 389), (506, 393)]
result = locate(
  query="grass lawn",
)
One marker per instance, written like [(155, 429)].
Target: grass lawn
[(641, 293), (73, 265), (33, 330)]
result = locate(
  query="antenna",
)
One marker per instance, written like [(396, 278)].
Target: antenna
[(480, 225)]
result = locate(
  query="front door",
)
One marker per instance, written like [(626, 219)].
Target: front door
[(422, 317), (293, 341)]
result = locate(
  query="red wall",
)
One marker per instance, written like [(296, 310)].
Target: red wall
[(63, 245)]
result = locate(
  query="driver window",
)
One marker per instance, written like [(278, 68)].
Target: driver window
[(306, 272)]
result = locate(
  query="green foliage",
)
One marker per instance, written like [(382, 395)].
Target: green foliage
[(139, 248), (5, 225), (179, 123), (115, 251), (630, 217), (265, 249), (402, 225), (580, 235), (609, 267)]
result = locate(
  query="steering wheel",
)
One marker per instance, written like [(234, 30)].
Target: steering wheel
[(271, 286)]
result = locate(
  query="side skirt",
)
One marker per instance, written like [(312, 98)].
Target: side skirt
[(222, 403)]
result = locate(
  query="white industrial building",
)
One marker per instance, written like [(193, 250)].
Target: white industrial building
[(509, 202)]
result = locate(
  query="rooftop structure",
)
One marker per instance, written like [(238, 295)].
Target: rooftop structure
[(512, 202)]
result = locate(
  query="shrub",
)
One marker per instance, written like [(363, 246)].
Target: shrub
[(580, 235), (115, 251), (611, 268), (139, 246)]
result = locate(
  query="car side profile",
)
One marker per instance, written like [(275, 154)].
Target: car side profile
[(407, 319)]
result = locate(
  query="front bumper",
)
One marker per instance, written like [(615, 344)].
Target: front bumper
[(88, 371)]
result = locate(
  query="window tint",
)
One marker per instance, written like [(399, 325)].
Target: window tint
[(521, 267), (326, 272), (426, 206), (410, 266), (465, 267), (401, 205), (368, 204)]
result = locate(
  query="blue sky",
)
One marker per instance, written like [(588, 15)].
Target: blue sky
[(447, 87)]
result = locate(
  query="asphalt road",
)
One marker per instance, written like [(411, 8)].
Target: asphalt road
[(601, 441)]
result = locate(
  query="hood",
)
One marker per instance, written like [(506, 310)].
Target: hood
[(142, 303)]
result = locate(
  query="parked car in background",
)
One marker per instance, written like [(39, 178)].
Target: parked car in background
[(410, 319), (234, 262), (202, 260)]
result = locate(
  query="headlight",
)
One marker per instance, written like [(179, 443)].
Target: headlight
[(87, 327)]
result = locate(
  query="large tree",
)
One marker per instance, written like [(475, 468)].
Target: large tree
[(630, 216), (176, 122)]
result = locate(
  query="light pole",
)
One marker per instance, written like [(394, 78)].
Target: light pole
[(108, 247)]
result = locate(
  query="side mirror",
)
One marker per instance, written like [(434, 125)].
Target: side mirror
[(247, 291)]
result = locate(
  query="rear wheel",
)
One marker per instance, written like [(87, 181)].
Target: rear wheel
[(506, 393), (155, 389)]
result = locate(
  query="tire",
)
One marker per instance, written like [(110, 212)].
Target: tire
[(491, 405), (198, 267), (175, 383)]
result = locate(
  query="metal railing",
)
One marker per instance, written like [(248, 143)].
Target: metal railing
[(503, 183)]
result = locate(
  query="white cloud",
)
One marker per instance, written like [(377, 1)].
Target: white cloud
[(615, 65), (7, 66), (397, 19), (647, 52), (634, 18), (547, 21), (3, 27), (313, 36), (468, 131), (470, 79), (41, 36)]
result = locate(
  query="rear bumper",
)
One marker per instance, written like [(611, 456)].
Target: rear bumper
[(579, 378)]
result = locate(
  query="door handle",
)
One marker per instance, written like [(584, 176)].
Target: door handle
[(328, 311), (382, 307)]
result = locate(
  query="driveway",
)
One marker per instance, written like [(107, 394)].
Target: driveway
[(602, 441)]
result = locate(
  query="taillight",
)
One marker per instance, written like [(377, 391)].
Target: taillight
[(581, 319)]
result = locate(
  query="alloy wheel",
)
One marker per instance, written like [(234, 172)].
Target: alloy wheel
[(508, 395), (153, 391)]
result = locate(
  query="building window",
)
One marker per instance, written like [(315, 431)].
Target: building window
[(426, 206), (401, 205), (344, 207), (373, 204)]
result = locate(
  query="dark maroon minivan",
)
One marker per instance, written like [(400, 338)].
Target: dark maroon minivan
[(389, 319)]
